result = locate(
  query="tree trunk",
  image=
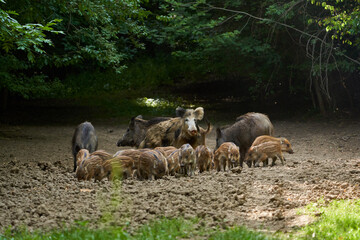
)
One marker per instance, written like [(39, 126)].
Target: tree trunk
[(319, 97)]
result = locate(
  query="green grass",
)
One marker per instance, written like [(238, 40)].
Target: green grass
[(338, 220), (160, 229), (240, 233)]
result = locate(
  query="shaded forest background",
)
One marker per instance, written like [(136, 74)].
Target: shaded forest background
[(288, 56)]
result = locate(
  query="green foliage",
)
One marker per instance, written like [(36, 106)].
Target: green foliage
[(96, 35), (28, 37), (275, 49), (343, 19)]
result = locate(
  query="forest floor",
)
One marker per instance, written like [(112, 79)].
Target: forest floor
[(38, 189)]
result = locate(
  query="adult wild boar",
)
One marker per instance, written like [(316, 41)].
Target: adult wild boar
[(84, 138), (244, 131), (136, 130), (177, 131)]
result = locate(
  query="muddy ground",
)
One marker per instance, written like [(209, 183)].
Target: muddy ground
[(38, 188)]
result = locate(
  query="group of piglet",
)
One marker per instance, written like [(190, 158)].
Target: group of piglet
[(176, 146)]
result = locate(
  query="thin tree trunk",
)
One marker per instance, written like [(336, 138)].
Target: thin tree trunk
[(319, 97)]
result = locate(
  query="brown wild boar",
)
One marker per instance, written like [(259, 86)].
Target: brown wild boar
[(268, 146), (177, 131), (136, 130), (133, 153), (204, 158), (87, 161), (86, 169), (166, 150), (120, 167), (101, 154), (81, 155), (173, 162), (187, 159), (226, 156), (152, 165), (84, 138), (244, 131)]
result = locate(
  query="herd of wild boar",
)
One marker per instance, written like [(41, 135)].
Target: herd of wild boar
[(177, 146)]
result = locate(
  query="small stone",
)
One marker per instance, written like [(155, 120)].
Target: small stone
[(15, 170), (42, 210)]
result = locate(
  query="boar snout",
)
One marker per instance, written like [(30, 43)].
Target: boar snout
[(193, 132), (290, 151)]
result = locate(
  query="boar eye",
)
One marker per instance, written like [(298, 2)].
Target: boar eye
[(186, 120), (287, 145)]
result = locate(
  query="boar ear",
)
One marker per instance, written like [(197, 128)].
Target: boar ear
[(180, 111), (218, 132), (132, 122), (139, 116), (199, 113)]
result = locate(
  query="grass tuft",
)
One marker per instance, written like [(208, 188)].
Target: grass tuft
[(339, 220)]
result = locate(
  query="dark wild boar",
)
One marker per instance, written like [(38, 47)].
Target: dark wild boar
[(136, 130), (226, 156), (204, 158), (177, 131), (244, 131), (84, 138)]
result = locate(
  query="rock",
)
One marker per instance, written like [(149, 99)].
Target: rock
[(42, 210), (236, 170), (15, 170)]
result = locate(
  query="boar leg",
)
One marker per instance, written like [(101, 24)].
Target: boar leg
[(281, 158), (262, 159), (223, 163), (242, 157), (266, 162), (273, 161), (189, 170)]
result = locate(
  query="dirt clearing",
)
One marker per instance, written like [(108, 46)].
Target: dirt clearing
[(38, 188)]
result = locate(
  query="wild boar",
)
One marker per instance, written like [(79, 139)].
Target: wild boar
[(87, 167), (136, 130), (82, 155), (204, 158), (88, 162), (173, 162), (151, 165), (177, 131), (268, 146), (84, 138), (187, 159), (133, 153), (226, 156), (120, 167), (101, 154), (166, 150), (244, 131)]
